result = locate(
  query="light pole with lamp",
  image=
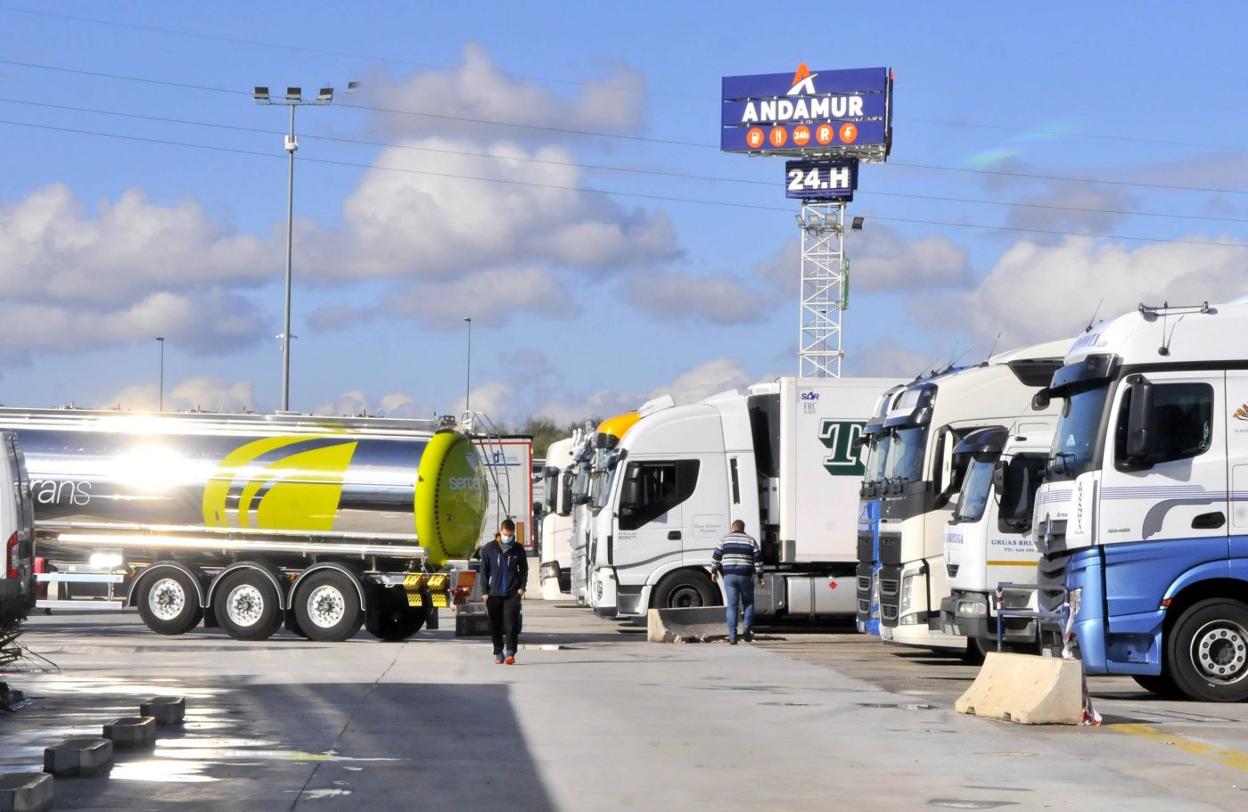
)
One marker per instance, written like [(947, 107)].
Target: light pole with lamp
[(161, 407), (468, 370), (292, 99)]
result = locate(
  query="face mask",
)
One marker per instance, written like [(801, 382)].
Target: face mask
[(508, 540)]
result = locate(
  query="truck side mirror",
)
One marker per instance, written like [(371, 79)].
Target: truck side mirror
[(1041, 400), (1139, 440), (630, 495), (998, 478), (1016, 482)]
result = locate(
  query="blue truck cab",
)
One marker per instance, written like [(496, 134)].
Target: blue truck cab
[(1142, 520)]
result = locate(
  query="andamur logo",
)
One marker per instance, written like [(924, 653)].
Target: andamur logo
[(839, 437)]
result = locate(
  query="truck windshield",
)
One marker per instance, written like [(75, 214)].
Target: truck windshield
[(1075, 440), (905, 454), (877, 457), (603, 480), (974, 496)]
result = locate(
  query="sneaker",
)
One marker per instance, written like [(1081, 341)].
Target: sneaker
[(749, 637), (732, 641), (498, 659), (511, 660)]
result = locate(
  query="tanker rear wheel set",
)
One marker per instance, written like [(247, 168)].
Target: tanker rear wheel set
[(327, 607), (389, 617), (168, 602)]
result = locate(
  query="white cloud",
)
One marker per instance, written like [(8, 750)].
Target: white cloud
[(355, 402), (51, 249), (887, 358), (490, 296), (479, 90), (1040, 292), (881, 260), (206, 393), (1057, 208), (718, 298)]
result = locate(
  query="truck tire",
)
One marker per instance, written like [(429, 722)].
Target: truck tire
[(684, 589), (291, 624), (1160, 684), (247, 605), (327, 607), (390, 619), (1207, 651), (168, 602)]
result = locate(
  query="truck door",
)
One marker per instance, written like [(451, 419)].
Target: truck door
[(651, 517), (1171, 506)]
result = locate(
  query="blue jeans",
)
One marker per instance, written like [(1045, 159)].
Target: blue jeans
[(739, 587)]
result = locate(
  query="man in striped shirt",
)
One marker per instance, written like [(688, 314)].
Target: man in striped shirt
[(739, 560)]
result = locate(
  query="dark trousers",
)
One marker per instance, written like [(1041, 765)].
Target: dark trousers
[(504, 623)]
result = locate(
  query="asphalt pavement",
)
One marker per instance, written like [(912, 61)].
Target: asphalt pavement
[(591, 718)]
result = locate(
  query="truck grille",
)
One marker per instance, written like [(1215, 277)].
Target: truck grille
[(1050, 595), (890, 548), (888, 614), (864, 609), (863, 575), (952, 569)]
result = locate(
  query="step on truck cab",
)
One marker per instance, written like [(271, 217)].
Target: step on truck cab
[(17, 529), (875, 441), (783, 458), (1142, 519), (556, 533), (926, 423), (988, 537)]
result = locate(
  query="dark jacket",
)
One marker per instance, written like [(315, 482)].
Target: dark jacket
[(503, 571)]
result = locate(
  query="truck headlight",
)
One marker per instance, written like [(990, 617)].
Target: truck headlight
[(550, 569), (598, 589), (909, 620), (1075, 599), (906, 583), (973, 608)]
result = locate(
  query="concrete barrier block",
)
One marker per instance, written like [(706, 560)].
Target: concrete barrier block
[(1027, 689), (131, 732), (25, 792), (166, 710), (83, 756), (696, 625)]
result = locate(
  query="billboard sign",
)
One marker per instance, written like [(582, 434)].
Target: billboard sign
[(826, 179), (845, 113)]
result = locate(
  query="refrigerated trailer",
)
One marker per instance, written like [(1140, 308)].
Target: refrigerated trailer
[(251, 521), (556, 534), (783, 458)]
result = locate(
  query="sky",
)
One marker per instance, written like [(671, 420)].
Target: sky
[(552, 171)]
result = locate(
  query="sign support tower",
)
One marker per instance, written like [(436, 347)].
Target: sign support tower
[(824, 271)]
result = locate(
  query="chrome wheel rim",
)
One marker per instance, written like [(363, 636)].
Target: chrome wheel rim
[(244, 605), (1220, 651), (166, 599), (326, 606)]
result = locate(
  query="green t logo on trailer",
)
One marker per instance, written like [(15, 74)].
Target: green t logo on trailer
[(839, 437)]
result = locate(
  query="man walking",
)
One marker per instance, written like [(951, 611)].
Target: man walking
[(740, 560), (504, 573)]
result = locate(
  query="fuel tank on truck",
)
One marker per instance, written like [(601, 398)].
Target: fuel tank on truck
[(325, 479)]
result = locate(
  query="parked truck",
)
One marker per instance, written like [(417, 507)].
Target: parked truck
[(251, 521), (989, 556), (17, 529), (875, 441), (926, 423), (783, 458), (1143, 515), (556, 524), (591, 473)]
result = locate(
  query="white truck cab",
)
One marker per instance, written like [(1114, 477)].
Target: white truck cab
[(556, 533), (988, 537), (927, 421), (782, 457)]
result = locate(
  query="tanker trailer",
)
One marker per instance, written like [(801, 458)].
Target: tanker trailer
[(250, 521)]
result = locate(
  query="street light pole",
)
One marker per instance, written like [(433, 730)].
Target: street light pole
[(468, 370), (161, 407), (292, 145), (292, 99)]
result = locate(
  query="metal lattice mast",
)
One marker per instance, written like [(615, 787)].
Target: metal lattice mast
[(823, 289)]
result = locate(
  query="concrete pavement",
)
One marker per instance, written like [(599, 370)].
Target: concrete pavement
[(592, 718)]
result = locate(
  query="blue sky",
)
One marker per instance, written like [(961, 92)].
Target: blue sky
[(584, 302)]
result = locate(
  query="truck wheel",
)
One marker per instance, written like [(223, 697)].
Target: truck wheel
[(682, 590), (389, 618), (1207, 653), (247, 605), (1160, 684), (328, 607), (169, 603), (291, 624)]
